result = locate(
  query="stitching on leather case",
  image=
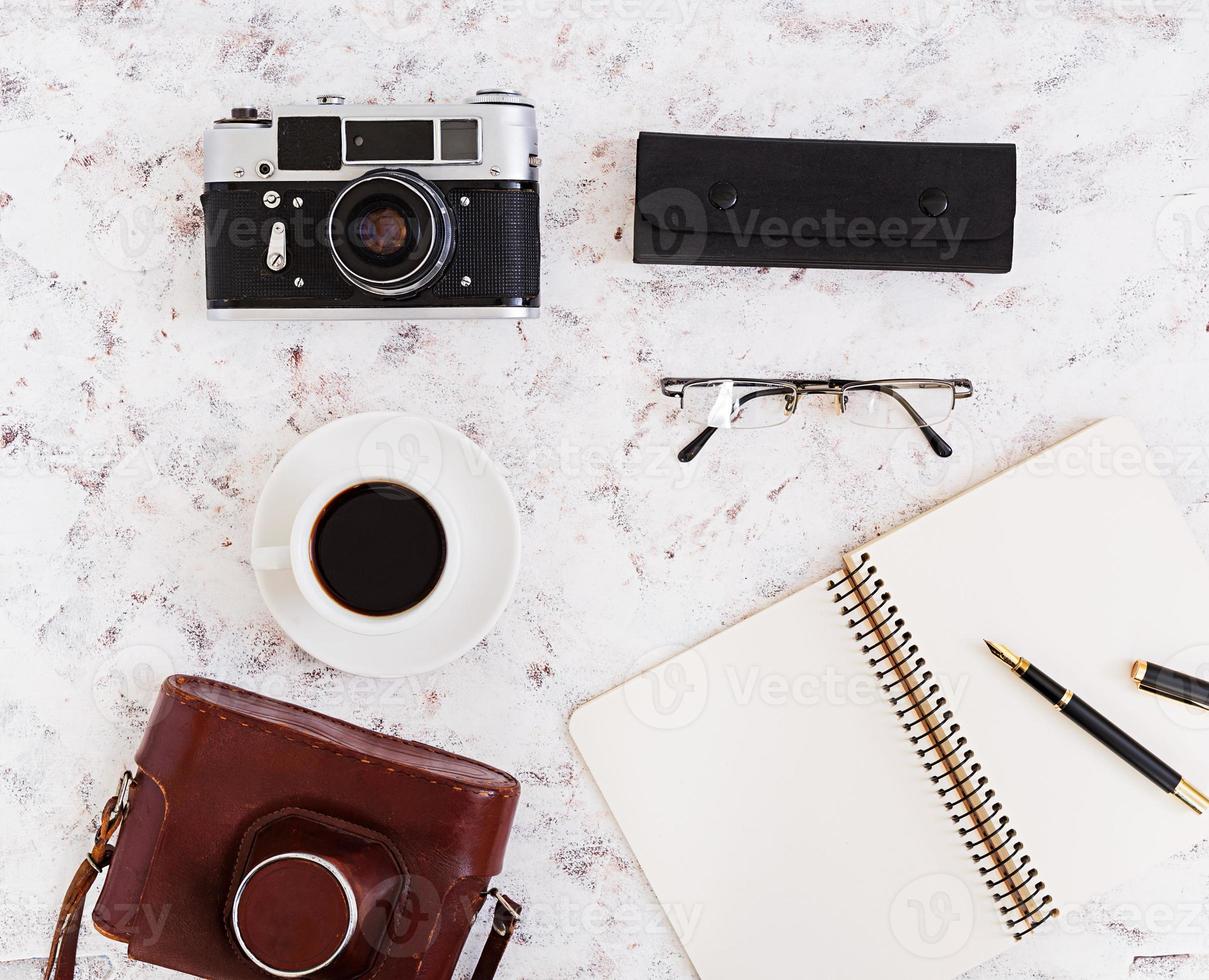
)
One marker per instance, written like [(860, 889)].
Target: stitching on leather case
[(195, 704)]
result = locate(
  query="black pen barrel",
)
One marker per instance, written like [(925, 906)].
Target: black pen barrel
[(1043, 684), (1127, 747)]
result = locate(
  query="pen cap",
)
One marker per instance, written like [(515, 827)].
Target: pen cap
[(1168, 683)]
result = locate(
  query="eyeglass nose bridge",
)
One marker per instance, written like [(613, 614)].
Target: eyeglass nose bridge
[(801, 390)]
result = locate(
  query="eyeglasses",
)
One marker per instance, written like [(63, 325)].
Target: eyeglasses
[(756, 403)]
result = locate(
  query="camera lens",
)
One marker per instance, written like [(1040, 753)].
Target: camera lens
[(390, 233), (381, 230)]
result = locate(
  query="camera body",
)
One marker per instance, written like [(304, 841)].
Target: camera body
[(332, 211)]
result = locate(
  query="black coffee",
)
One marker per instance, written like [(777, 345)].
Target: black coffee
[(378, 548)]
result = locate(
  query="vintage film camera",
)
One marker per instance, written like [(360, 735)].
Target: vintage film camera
[(334, 211)]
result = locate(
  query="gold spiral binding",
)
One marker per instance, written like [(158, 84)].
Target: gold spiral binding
[(947, 756)]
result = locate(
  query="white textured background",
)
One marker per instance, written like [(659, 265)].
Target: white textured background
[(136, 435)]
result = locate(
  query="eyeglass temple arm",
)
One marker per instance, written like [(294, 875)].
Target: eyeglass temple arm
[(939, 446), (689, 452), (937, 442)]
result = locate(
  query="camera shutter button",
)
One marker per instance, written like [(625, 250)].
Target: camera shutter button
[(244, 116), (294, 914)]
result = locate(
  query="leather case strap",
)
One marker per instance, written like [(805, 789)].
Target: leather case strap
[(61, 963), (506, 918)]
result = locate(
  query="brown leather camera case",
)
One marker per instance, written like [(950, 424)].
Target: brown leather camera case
[(228, 779)]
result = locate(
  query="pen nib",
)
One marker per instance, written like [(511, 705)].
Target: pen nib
[(1004, 654)]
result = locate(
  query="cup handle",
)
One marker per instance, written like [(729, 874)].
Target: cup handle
[(271, 559)]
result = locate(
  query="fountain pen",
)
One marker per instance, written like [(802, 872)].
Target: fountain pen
[(1103, 730)]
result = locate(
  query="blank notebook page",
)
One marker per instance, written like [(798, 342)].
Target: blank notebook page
[(777, 809), (1079, 561)]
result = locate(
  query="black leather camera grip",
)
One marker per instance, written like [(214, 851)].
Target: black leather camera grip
[(496, 256)]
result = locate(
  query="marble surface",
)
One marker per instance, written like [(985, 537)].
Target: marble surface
[(136, 435)]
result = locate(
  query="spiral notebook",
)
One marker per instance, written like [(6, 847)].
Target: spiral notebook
[(791, 815)]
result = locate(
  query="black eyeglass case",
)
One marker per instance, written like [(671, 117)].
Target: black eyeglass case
[(837, 204)]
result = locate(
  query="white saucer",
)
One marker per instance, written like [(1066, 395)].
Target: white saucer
[(416, 447)]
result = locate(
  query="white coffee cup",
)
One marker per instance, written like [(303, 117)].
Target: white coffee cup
[(295, 556)]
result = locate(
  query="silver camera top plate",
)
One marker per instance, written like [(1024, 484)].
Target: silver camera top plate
[(244, 146)]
